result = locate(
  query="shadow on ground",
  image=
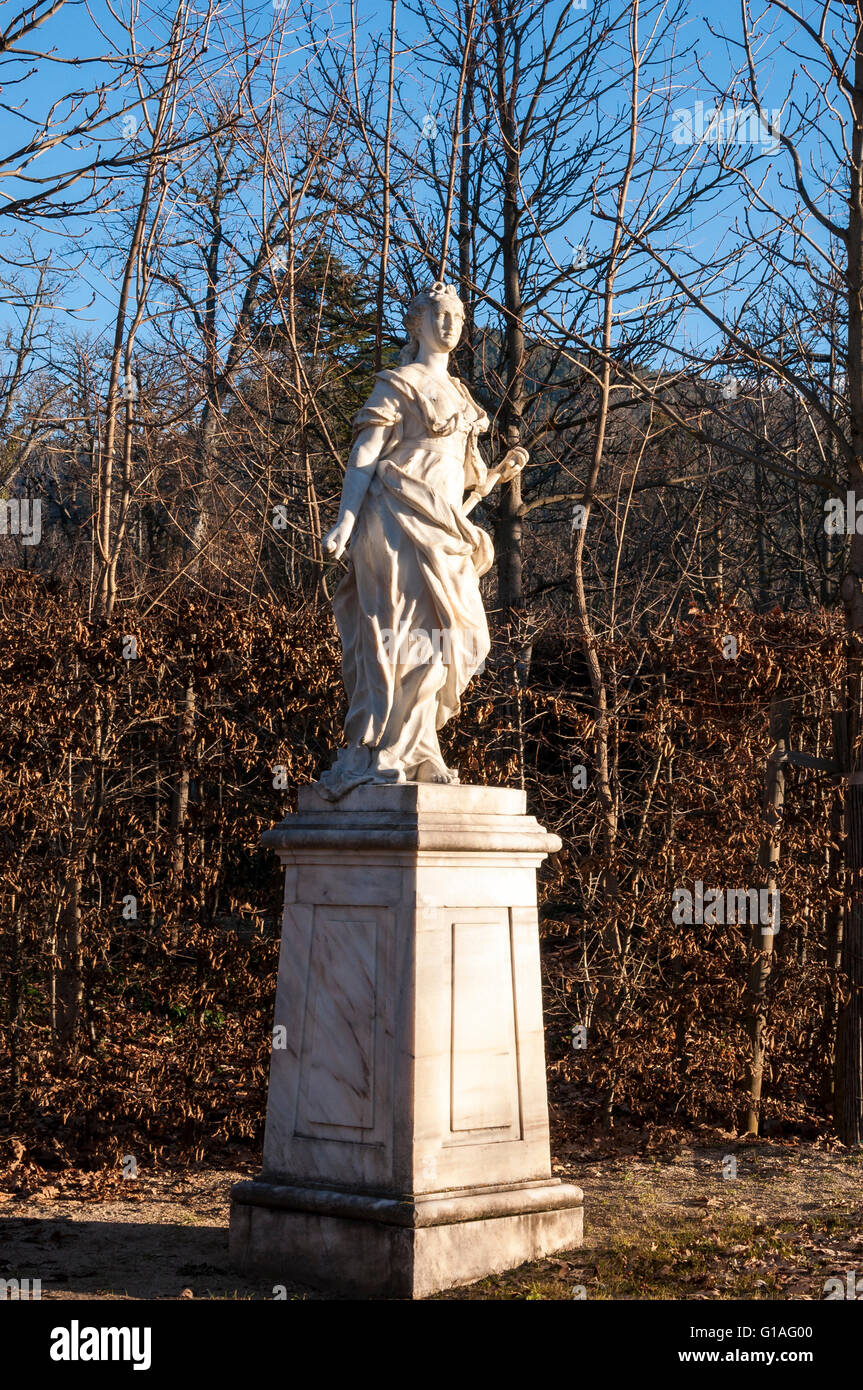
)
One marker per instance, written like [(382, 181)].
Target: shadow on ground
[(110, 1259)]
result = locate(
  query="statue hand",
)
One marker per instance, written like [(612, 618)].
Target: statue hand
[(512, 463), (334, 542), (509, 467)]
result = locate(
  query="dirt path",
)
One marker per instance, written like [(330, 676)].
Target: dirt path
[(679, 1226)]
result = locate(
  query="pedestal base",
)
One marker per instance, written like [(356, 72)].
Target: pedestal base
[(406, 1144), (383, 1248)]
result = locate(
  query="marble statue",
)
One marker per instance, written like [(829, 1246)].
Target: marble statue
[(406, 1147), (409, 610)]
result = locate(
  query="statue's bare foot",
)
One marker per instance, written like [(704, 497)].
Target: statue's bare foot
[(436, 772)]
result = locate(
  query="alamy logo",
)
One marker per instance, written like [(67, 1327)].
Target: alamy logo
[(410, 646), (736, 125), (726, 905), (852, 1287), (21, 517), (77, 1343), (20, 1288), (843, 516)]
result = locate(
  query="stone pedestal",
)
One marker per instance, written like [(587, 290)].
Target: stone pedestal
[(406, 1145)]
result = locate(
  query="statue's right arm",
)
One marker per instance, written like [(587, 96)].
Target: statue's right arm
[(367, 449)]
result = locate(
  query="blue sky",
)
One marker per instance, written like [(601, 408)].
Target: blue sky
[(73, 33)]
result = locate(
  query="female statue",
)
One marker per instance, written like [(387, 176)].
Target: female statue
[(409, 611)]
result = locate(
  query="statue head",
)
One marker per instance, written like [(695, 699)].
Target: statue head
[(436, 315)]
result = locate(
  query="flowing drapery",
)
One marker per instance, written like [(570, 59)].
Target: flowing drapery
[(409, 610)]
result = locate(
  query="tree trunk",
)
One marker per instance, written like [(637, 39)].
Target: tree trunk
[(509, 525), (834, 917), (763, 937), (848, 1111), (179, 809), (70, 972)]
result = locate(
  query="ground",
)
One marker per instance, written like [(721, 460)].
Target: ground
[(672, 1225)]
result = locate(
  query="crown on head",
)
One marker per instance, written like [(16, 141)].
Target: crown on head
[(439, 291)]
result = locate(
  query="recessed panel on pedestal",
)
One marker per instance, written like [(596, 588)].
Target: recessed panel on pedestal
[(483, 1095), (484, 1083), (337, 1052)]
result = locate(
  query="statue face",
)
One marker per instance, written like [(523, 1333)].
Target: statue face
[(441, 326)]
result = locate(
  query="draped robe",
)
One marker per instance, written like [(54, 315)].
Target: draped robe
[(409, 611)]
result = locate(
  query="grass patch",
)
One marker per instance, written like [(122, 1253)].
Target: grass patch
[(730, 1259)]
